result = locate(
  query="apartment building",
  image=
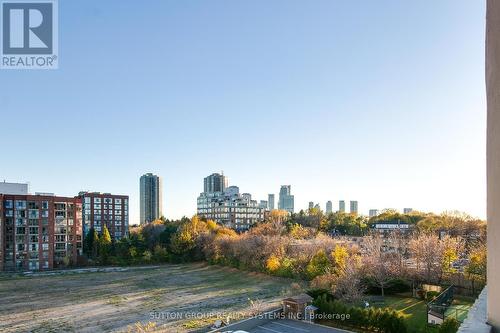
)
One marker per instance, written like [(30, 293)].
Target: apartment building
[(225, 205), (39, 231), (105, 209), (151, 198)]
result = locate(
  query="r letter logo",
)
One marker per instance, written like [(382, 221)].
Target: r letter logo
[(29, 34)]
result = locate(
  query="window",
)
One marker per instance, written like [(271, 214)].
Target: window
[(60, 238), (8, 204), (20, 213), (33, 213), (33, 264), (20, 204), (60, 206), (60, 214), (60, 246)]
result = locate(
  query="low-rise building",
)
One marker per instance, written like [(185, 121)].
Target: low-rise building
[(384, 227)]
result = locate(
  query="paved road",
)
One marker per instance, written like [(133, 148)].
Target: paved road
[(292, 326)]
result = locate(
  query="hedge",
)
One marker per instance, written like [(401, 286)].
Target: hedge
[(375, 319)]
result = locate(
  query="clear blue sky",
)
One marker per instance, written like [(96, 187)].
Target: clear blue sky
[(377, 101)]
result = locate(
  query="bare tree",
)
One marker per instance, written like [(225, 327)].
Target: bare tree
[(380, 263)]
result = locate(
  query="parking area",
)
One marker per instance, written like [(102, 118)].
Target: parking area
[(292, 326)]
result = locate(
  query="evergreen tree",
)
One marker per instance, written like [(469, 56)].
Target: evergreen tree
[(88, 243), (94, 243), (104, 245)]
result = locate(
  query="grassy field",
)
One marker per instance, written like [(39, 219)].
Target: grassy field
[(168, 296)]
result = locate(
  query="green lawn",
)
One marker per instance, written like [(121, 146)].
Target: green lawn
[(415, 311)]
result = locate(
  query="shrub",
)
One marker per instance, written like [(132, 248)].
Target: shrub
[(394, 286), (287, 268), (431, 295), (378, 319), (319, 292), (450, 325), (273, 264)]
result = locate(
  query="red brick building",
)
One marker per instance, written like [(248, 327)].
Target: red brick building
[(39, 231), (105, 209)]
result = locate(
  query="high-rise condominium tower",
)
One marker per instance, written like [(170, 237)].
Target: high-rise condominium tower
[(214, 183), (354, 207), (329, 207), (270, 201), (286, 199), (341, 206), (151, 188)]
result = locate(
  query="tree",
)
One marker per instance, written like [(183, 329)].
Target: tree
[(104, 245), (427, 252), (398, 242), (278, 216), (152, 232), (379, 263), (318, 265), (345, 280), (184, 240), (95, 244), (88, 243), (346, 224), (340, 256), (476, 269), (452, 250)]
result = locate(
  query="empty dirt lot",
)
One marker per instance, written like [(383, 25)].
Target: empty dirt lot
[(171, 298)]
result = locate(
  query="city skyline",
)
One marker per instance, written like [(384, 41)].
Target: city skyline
[(391, 133), (304, 206)]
